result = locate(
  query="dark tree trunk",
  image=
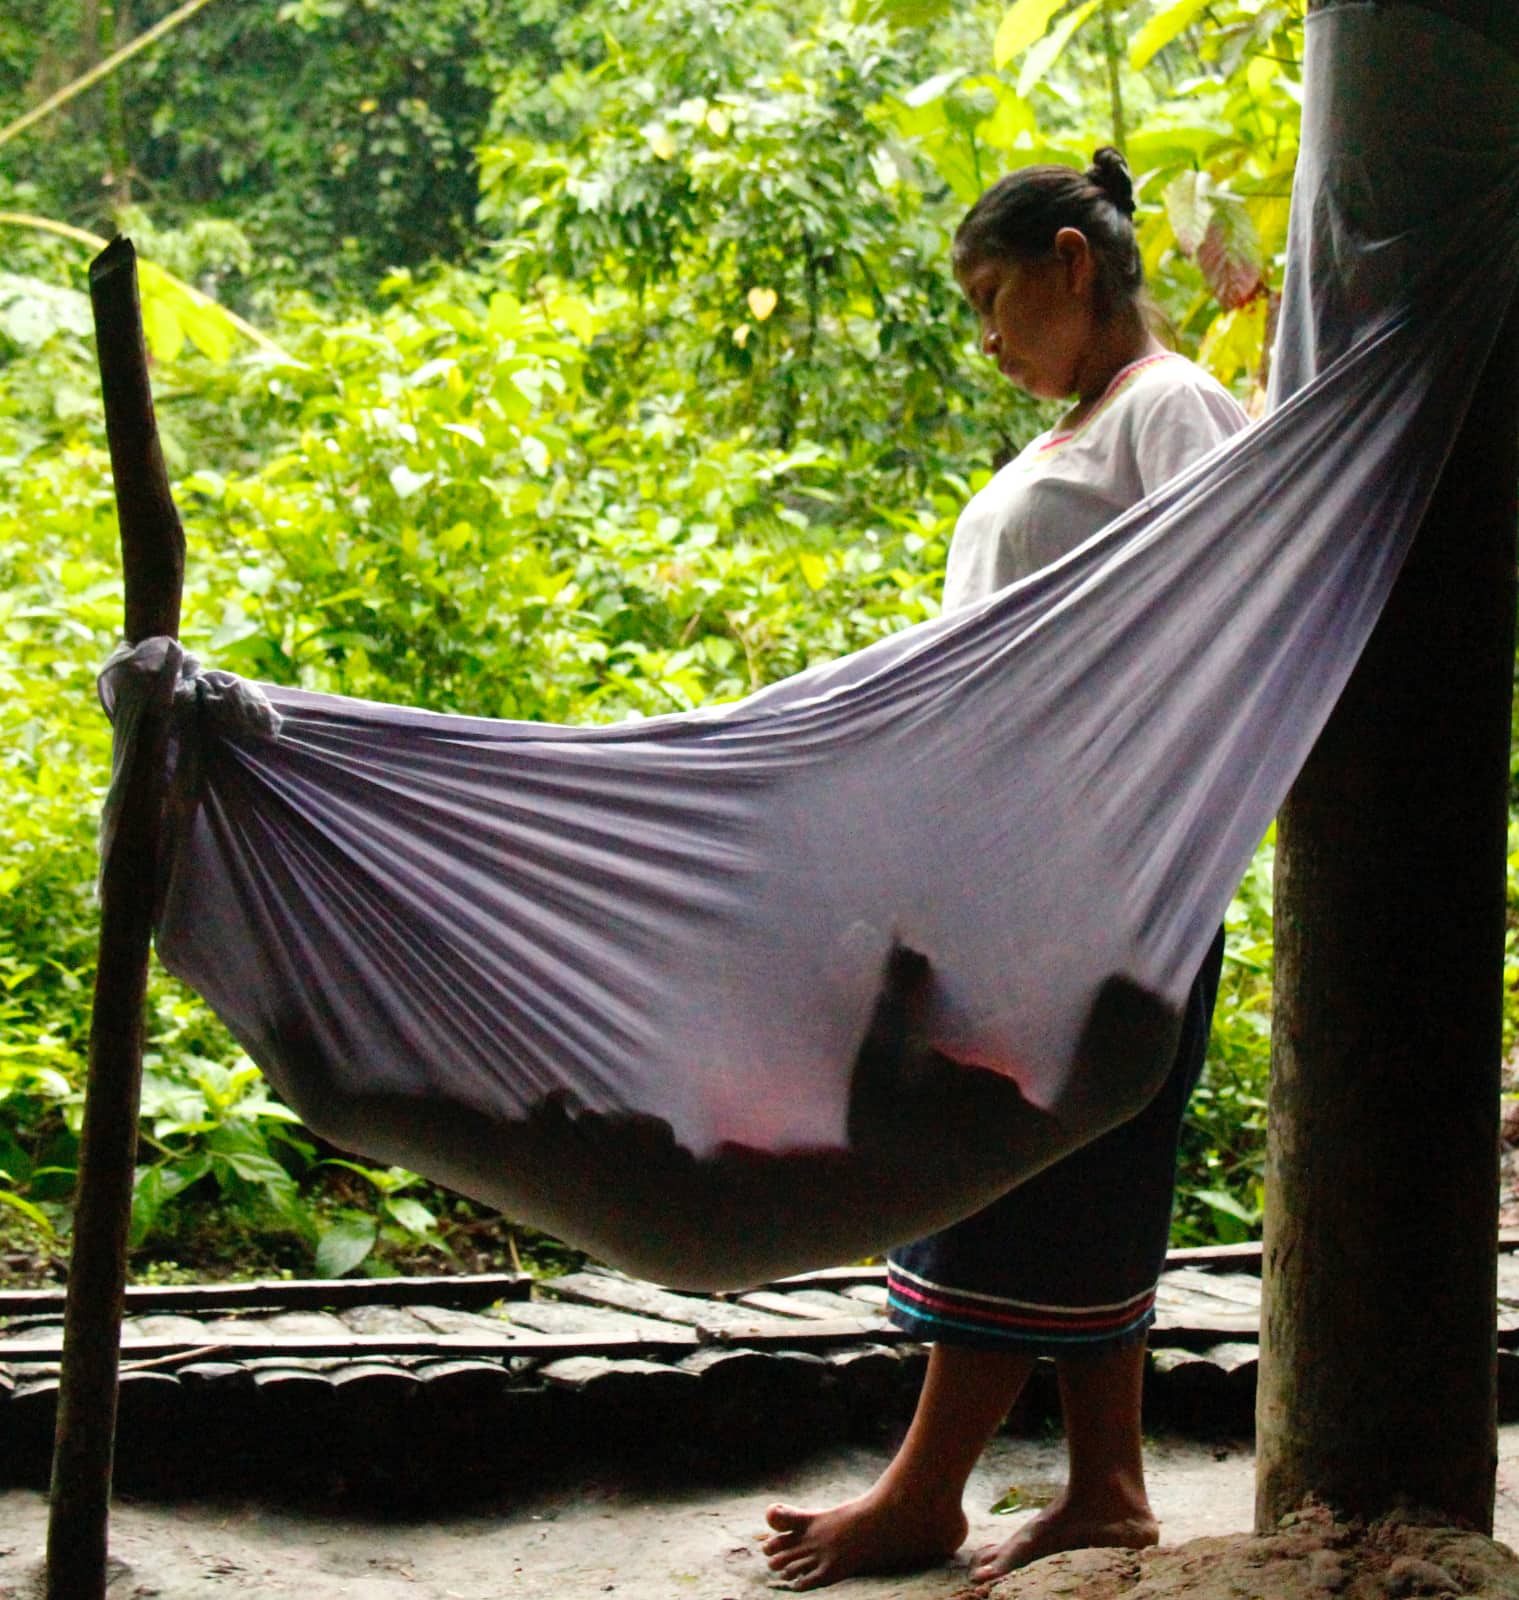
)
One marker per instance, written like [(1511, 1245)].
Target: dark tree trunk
[(1377, 1339)]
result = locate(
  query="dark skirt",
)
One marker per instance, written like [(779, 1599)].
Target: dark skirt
[(1068, 1262)]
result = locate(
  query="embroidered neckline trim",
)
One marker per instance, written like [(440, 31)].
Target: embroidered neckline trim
[(1120, 380)]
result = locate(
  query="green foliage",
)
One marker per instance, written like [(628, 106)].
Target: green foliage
[(695, 405), (766, 232), (443, 515), (453, 521), (338, 134), (349, 1234), (211, 1122), (57, 602), (1220, 1185)]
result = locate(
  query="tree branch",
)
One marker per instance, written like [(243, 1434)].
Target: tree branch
[(152, 545)]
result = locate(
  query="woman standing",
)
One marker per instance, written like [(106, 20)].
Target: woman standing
[(1066, 1264)]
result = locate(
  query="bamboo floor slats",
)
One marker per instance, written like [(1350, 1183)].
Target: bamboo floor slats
[(406, 1388)]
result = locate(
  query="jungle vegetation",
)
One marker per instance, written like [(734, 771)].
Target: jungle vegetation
[(571, 360)]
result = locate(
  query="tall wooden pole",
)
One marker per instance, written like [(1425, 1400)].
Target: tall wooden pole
[(152, 547), (1377, 1341)]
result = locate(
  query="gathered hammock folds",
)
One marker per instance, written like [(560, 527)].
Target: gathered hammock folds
[(729, 994)]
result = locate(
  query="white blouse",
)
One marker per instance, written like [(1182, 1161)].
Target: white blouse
[(1158, 415)]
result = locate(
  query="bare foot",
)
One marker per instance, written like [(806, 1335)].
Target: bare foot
[(1063, 1526), (876, 1533)]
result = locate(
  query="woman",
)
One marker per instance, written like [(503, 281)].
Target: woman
[(1066, 1264)]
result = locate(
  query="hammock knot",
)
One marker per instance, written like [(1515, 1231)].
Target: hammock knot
[(227, 705), (158, 677)]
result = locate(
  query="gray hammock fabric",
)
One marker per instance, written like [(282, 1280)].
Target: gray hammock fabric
[(726, 995)]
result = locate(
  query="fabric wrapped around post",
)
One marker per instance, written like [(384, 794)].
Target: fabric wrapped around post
[(730, 994)]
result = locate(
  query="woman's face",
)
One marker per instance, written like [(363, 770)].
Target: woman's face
[(1036, 315)]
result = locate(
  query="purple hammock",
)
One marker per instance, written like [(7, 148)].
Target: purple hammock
[(729, 994)]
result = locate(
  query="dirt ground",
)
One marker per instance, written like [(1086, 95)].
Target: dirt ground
[(1311, 1556), (596, 1539)]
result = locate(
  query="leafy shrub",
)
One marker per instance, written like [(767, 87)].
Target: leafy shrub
[(705, 417), (1220, 1182), (446, 517)]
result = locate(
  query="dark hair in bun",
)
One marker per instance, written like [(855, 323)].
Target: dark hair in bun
[(1110, 172), (1021, 213)]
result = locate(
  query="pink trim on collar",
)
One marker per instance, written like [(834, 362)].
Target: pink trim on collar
[(1117, 382)]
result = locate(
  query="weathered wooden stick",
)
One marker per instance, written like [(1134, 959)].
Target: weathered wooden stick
[(152, 548)]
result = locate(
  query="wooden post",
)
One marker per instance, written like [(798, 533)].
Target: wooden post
[(1377, 1339), (152, 547)]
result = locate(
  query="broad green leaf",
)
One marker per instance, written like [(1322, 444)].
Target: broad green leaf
[(15, 1163), (1012, 119), (923, 122), (429, 371), (575, 314), (177, 1176), (32, 311), (1155, 238), (343, 1244), (955, 163), (33, 1214), (1235, 340), (1161, 29), (1263, 71), (270, 1111), (412, 1215), (813, 568), (902, 13), (1046, 52), (161, 328), (720, 651), (208, 328), (1271, 214), (260, 1169), (155, 284), (1023, 22), (378, 1176), (504, 318), (1189, 207), (1268, 194), (1169, 147), (152, 1187), (1221, 1200)]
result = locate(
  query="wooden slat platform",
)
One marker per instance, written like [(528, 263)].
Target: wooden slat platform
[(481, 1289), (447, 1384)]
